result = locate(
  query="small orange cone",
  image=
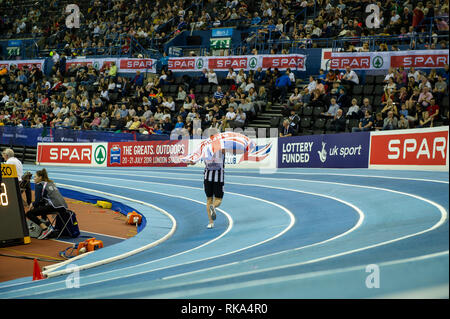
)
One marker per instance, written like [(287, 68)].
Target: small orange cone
[(37, 274)]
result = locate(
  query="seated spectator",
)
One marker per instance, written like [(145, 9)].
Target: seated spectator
[(240, 77), (354, 111), (403, 123), (218, 95), (339, 122), (433, 110), (426, 120), (239, 120), (286, 129), (332, 110), (181, 96), (135, 125), (104, 122), (180, 122), (350, 77), (379, 122), (390, 106), (425, 97), (295, 100), (365, 123), (95, 124), (390, 122), (117, 123)]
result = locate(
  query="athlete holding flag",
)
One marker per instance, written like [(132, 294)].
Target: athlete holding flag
[(212, 151)]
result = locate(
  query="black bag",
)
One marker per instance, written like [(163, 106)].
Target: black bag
[(72, 229)]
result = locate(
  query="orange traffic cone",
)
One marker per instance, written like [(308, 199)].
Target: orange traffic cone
[(37, 274)]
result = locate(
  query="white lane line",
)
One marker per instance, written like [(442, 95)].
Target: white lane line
[(230, 220), (50, 271), (441, 221), (292, 221), (443, 216), (358, 224), (232, 173), (237, 170), (275, 280)]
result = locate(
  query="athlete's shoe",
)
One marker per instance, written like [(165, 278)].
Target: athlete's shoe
[(210, 225), (46, 232), (212, 209)]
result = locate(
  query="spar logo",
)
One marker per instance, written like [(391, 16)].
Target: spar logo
[(227, 62), (258, 154), (253, 63), (181, 64), (70, 154), (136, 64), (199, 64), (355, 62), (377, 62), (410, 149), (283, 62), (100, 154), (420, 61)]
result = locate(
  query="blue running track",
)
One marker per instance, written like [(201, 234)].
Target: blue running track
[(296, 233)]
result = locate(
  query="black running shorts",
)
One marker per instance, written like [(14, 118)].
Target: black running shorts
[(213, 189)]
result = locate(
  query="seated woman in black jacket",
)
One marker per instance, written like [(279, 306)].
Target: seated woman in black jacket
[(48, 200)]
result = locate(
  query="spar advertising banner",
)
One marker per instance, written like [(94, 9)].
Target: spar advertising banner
[(133, 65), (425, 148), (124, 65), (21, 63), (384, 60), (264, 156), (72, 154), (246, 62), (345, 150), (152, 153)]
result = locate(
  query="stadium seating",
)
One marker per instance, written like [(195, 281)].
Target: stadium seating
[(149, 29)]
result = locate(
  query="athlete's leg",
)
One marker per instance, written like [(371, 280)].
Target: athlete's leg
[(209, 202), (217, 202)]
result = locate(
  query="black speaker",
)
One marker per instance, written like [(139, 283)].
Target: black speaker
[(194, 40)]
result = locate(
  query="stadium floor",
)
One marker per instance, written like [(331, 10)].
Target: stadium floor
[(295, 233)]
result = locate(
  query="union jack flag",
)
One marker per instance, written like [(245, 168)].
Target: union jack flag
[(230, 142)]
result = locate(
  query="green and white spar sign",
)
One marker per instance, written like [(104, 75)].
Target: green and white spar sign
[(100, 154), (378, 62)]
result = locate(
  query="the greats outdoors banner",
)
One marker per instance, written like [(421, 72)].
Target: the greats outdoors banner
[(157, 153), (385, 60), (246, 62), (263, 156), (424, 148), (345, 150)]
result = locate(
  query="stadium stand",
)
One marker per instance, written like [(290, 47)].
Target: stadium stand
[(86, 98)]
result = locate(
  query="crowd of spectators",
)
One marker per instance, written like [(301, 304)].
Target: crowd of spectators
[(152, 23), (408, 99), (83, 97)]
